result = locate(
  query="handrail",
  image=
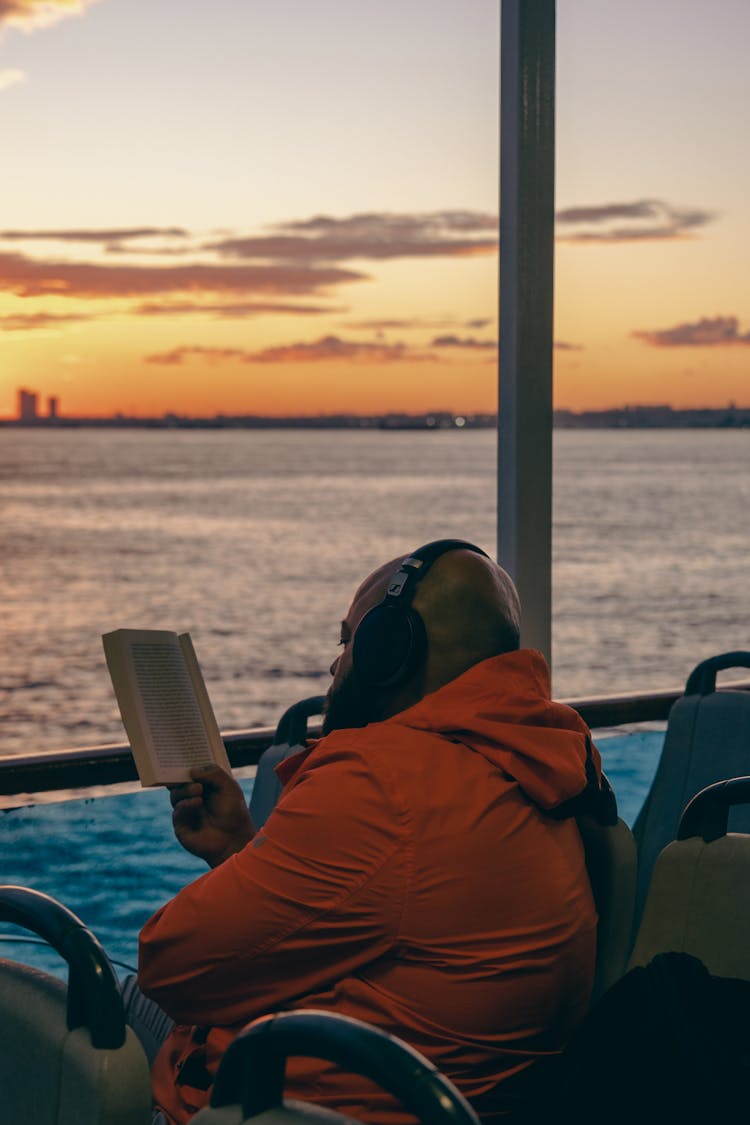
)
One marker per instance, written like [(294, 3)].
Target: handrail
[(53, 770), (50, 770)]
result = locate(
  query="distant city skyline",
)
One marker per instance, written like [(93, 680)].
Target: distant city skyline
[(252, 221), (633, 416)]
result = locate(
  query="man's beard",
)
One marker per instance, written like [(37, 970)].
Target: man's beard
[(352, 704)]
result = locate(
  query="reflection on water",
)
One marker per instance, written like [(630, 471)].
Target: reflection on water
[(254, 542)]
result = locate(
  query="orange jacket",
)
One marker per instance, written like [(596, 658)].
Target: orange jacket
[(410, 876)]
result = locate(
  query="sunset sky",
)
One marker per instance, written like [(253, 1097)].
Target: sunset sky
[(288, 206)]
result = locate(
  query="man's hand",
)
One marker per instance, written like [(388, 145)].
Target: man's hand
[(210, 815)]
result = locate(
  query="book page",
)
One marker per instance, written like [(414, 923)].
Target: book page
[(213, 734), (170, 709)]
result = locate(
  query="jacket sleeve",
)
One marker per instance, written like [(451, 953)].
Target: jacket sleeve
[(316, 894)]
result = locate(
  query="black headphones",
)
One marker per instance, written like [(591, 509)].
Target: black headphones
[(390, 640)]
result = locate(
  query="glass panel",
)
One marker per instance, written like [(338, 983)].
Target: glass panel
[(291, 212), (652, 336)]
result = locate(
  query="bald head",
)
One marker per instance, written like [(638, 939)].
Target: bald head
[(470, 611)]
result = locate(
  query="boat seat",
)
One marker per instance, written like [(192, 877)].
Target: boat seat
[(611, 862), (291, 732), (249, 1084), (707, 740), (698, 900), (66, 1054)]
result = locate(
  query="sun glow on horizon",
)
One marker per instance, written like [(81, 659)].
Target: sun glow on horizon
[(298, 236)]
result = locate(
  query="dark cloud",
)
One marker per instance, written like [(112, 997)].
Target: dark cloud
[(326, 348), (28, 322), (177, 356), (397, 323), (463, 342), (413, 322), (645, 220), (643, 209), (371, 236), (29, 277), (113, 235), (233, 310), (710, 332), (470, 342), (150, 251), (433, 222), (333, 347)]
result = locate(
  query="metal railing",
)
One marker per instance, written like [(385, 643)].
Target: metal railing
[(54, 770)]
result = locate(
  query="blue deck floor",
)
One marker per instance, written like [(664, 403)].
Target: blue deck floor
[(113, 860)]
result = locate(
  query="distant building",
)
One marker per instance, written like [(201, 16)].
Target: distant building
[(27, 406), (52, 407)]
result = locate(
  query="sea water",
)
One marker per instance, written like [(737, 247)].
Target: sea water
[(254, 542)]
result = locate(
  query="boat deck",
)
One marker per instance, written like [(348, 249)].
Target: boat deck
[(113, 859)]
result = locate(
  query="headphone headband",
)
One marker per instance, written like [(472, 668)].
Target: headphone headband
[(413, 569), (390, 640)]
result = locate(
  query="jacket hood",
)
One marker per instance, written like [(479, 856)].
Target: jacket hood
[(501, 708)]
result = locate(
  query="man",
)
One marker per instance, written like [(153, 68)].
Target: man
[(422, 870)]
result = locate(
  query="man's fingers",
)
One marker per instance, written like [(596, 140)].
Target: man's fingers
[(211, 773), (189, 791), (188, 803), (188, 814)]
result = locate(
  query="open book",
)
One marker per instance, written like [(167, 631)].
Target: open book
[(164, 704)]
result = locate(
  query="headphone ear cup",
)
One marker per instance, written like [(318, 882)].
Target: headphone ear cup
[(388, 644)]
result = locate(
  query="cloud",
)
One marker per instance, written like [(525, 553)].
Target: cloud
[(644, 219), (326, 348), (400, 324), (177, 356), (489, 345), (235, 309), (30, 322), (333, 347), (29, 14), (414, 322), (434, 222), (463, 342), (27, 277), (10, 78), (709, 332), (371, 236), (112, 235)]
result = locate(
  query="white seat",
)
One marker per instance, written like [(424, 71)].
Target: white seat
[(66, 1055), (698, 900)]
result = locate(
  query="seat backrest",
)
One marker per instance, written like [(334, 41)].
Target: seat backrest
[(51, 1071), (707, 740), (698, 901), (249, 1085), (291, 733), (611, 860)]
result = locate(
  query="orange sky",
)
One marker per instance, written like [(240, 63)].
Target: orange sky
[(300, 236)]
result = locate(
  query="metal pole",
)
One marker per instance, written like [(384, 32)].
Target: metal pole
[(527, 200)]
